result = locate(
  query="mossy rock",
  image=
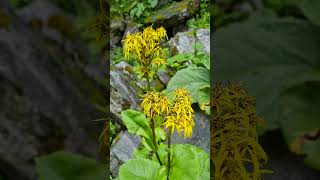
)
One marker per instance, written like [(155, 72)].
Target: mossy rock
[(63, 25), (172, 13), (4, 20)]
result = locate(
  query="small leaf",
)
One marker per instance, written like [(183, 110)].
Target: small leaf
[(153, 3)]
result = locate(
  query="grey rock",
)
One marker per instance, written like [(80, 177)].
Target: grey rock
[(203, 35), (50, 20), (117, 103), (122, 150), (125, 87), (201, 133), (183, 42), (117, 26), (39, 9), (164, 76), (43, 107)]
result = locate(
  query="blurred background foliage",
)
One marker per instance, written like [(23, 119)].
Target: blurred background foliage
[(272, 47)]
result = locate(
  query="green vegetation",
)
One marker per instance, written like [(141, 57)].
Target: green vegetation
[(133, 8), (275, 54)]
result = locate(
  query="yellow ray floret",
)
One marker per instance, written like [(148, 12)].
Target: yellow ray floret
[(181, 114), (155, 103)]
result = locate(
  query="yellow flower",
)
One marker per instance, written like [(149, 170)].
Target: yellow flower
[(180, 114), (162, 33), (159, 61), (155, 103), (146, 47)]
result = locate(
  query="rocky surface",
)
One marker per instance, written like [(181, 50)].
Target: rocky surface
[(47, 103), (170, 14), (125, 92), (201, 133), (122, 151), (183, 42)]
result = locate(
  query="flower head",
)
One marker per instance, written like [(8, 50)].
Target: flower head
[(155, 104), (146, 47), (180, 113)]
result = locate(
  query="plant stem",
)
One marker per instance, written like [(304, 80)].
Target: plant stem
[(154, 141), (169, 148), (195, 36), (148, 84)]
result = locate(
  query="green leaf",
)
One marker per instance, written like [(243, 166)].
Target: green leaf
[(203, 99), (268, 68), (141, 153), (140, 9), (313, 151), (141, 169), (67, 166), (136, 123), (202, 59), (192, 78), (311, 10), (300, 120), (275, 59), (153, 3), (180, 58), (189, 163), (160, 134)]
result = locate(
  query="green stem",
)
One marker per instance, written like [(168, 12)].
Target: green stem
[(169, 149), (148, 84), (195, 36), (154, 141)]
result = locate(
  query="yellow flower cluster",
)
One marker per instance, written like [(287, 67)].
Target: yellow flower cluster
[(146, 46), (181, 112), (177, 113), (155, 103)]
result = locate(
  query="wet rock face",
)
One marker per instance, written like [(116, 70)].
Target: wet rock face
[(122, 151), (43, 107), (201, 133), (180, 43)]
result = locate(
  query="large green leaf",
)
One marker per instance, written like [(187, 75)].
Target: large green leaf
[(189, 163), (141, 169), (67, 166), (136, 123), (271, 56), (193, 79), (300, 121), (311, 9)]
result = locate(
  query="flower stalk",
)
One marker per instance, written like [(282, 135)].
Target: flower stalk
[(169, 153)]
